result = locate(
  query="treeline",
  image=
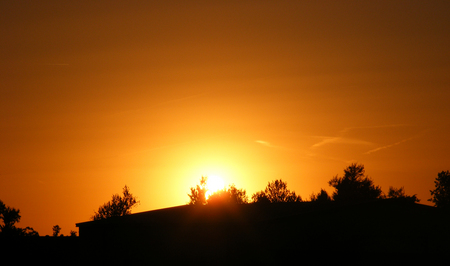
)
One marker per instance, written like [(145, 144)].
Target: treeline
[(353, 186), (10, 216)]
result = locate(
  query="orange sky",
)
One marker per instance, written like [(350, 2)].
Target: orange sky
[(98, 95)]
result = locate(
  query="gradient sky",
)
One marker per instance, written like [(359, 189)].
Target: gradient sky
[(98, 94)]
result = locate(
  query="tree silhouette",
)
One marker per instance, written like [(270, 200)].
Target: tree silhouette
[(276, 191), (198, 193), (399, 193), (117, 206), (9, 216), (440, 196), (56, 229), (260, 197), (354, 185), (29, 231), (322, 196), (232, 195)]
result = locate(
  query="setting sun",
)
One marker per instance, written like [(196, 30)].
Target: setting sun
[(213, 184)]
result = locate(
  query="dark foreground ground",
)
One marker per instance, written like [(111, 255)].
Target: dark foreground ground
[(388, 232)]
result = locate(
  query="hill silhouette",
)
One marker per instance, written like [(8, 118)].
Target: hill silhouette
[(265, 232)]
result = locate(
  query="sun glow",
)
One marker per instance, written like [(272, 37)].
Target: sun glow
[(213, 184)]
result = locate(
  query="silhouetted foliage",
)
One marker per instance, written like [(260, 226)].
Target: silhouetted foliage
[(276, 191), (440, 196), (322, 196), (117, 206), (73, 233), (399, 193), (260, 197), (232, 195), (9, 216), (29, 231), (198, 193), (56, 229), (354, 185)]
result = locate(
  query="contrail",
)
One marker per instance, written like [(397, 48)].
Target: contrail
[(329, 140), (389, 146)]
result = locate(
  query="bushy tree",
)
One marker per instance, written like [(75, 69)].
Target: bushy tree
[(399, 193), (276, 191), (198, 193), (260, 197), (29, 231), (354, 186), (232, 195), (117, 206), (322, 196), (9, 216), (56, 229), (440, 196)]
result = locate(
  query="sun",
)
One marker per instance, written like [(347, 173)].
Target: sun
[(213, 184)]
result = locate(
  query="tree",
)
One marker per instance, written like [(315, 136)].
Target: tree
[(354, 186), (232, 195), (198, 193), (260, 197), (440, 196), (399, 193), (322, 196), (29, 231), (56, 229), (9, 216), (117, 206), (276, 191)]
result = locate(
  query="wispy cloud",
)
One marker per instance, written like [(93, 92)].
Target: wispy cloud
[(267, 144), (389, 146), (340, 140), (420, 134)]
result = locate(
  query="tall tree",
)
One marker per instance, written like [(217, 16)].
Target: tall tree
[(440, 196), (354, 186), (9, 216), (276, 191), (198, 193), (117, 206), (56, 230)]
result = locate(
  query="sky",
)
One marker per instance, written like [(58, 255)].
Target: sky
[(96, 95)]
